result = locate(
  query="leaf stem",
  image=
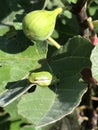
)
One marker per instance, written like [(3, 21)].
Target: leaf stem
[(91, 26), (56, 44)]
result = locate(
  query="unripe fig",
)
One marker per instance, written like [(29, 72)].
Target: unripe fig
[(43, 78), (39, 25)]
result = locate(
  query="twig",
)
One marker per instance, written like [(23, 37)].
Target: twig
[(76, 8), (89, 112), (95, 98), (91, 26), (79, 9)]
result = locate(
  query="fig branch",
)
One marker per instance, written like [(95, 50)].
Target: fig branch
[(87, 31), (79, 9), (86, 25), (89, 110)]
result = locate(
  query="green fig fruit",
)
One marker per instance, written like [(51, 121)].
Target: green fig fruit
[(39, 25), (42, 79)]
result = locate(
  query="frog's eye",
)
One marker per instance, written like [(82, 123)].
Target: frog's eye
[(43, 78)]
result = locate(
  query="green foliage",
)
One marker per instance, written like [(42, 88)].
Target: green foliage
[(39, 107)]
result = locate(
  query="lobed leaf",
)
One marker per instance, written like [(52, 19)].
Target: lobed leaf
[(47, 105), (18, 58)]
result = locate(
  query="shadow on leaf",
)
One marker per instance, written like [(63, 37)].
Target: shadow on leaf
[(14, 42), (15, 90)]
